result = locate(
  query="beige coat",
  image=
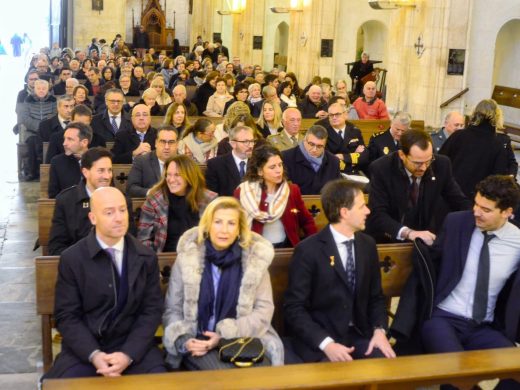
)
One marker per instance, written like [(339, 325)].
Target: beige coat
[(255, 301)]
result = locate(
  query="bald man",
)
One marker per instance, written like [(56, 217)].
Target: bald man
[(369, 106), (452, 122), (108, 298), (313, 105)]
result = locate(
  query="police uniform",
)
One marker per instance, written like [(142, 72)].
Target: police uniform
[(282, 141), (438, 139), (381, 144), (352, 161)]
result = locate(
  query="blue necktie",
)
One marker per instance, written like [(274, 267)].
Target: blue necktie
[(350, 266), (114, 124), (141, 136), (242, 170)]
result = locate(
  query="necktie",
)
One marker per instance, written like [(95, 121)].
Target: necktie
[(112, 253), (340, 134), (141, 136), (294, 140), (480, 298), (66, 123), (350, 266), (414, 191), (114, 124), (242, 170)]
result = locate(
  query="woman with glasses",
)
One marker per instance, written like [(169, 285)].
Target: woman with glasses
[(199, 141), (274, 207), (240, 94), (230, 295), (173, 205), (177, 117), (270, 120)]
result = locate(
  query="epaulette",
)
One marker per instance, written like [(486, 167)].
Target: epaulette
[(379, 133)]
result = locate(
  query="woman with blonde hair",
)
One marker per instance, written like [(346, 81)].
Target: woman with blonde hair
[(199, 142), (173, 205), (231, 296), (270, 120), (478, 150), (163, 98), (177, 116), (149, 98)]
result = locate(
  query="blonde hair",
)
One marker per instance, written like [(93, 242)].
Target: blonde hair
[(224, 203), (149, 92), (277, 115), (488, 110)]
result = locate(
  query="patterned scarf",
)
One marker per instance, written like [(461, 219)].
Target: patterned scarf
[(200, 152), (250, 195)]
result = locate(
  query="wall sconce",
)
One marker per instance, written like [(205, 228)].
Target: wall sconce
[(295, 6), (419, 46), (236, 7), (391, 4)]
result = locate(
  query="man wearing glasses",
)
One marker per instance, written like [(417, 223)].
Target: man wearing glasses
[(408, 188), (137, 141), (224, 173), (148, 168), (112, 120), (345, 141), (309, 165)]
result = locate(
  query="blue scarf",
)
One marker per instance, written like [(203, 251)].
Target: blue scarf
[(224, 305), (315, 161)]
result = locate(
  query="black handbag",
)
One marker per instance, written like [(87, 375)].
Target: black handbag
[(241, 351)]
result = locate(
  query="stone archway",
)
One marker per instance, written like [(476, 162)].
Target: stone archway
[(371, 37), (281, 44), (507, 56)]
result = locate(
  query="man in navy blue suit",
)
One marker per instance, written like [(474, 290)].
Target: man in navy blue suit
[(480, 253)]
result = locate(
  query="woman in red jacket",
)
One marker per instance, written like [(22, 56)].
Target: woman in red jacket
[(274, 207)]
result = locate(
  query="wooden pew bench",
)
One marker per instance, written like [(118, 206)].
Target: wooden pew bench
[(46, 211), (463, 369), (395, 263)]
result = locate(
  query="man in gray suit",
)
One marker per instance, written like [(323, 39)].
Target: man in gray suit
[(147, 169)]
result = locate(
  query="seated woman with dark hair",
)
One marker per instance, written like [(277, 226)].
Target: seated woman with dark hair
[(173, 205), (274, 207), (199, 141), (231, 295), (177, 117), (240, 94)]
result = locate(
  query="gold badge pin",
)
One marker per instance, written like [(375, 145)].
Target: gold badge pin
[(386, 150), (86, 205), (332, 261)]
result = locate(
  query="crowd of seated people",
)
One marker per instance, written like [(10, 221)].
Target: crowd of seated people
[(227, 218)]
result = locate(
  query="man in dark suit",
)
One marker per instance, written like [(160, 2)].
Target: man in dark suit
[(386, 142), (113, 120), (478, 254), (407, 188), (65, 169), (334, 305), (147, 168), (58, 122), (59, 88), (108, 298), (129, 144), (70, 221), (313, 105), (346, 141), (224, 173), (309, 165)]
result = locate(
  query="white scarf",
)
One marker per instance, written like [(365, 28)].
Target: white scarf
[(250, 195)]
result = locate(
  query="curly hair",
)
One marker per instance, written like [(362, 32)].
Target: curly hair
[(502, 189), (487, 110)]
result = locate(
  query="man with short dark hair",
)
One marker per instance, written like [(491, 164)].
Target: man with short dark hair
[(334, 305), (309, 164), (129, 144), (113, 119), (65, 168), (407, 188), (94, 82), (108, 298), (147, 169), (224, 173), (65, 74), (141, 41)]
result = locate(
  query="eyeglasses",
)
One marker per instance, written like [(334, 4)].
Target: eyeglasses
[(419, 164), (312, 145), (164, 142), (247, 142), (115, 101), (336, 114)]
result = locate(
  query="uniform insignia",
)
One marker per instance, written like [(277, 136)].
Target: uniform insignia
[(86, 205), (331, 261), (342, 165), (386, 150), (353, 140)]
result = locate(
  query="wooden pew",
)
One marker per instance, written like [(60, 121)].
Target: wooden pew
[(119, 174), (462, 369), (395, 263), (46, 211)]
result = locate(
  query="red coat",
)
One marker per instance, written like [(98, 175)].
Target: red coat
[(295, 217)]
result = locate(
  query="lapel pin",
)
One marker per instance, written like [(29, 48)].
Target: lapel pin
[(86, 205), (332, 261)]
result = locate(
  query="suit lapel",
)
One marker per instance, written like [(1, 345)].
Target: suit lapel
[(332, 255), (231, 167), (134, 263), (154, 162), (359, 258)]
